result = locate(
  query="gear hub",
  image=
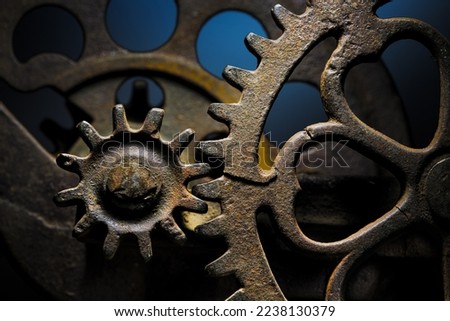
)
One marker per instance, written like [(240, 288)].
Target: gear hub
[(132, 181)]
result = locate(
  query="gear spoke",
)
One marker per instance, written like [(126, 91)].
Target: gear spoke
[(390, 223), (370, 142), (336, 284)]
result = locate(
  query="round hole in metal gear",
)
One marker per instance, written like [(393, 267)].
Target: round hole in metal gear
[(44, 112), (221, 41), (141, 25), (297, 105), (48, 29), (416, 76), (153, 92)]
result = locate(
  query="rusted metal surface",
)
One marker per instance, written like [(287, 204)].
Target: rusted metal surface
[(132, 181), (423, 173), (147, 197)]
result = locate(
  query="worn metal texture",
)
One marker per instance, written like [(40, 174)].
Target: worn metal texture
[(132, 181), (68, 269), (422, 173)]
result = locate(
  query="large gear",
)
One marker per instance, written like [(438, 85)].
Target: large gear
[(66, 268), (90, 83), (132, 181), (246, 188)]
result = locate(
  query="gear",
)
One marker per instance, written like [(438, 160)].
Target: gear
[(132, 181), (70, 270), (246, 188)]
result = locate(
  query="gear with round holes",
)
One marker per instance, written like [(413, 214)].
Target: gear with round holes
[(245, 188), (39, 235), (132, 181)]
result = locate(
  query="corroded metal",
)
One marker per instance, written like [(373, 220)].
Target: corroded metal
[(246, 188), (70, 269), (132, 181)]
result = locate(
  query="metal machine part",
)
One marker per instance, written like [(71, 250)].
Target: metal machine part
[(67, 269), (132, 181), (245, 188)]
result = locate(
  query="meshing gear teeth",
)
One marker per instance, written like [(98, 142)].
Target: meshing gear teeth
[(245, 188), (245, 256), (90, 83), (132, 181)]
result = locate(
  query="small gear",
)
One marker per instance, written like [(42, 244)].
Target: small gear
[(132, 181), (89, 83), (245, 187)]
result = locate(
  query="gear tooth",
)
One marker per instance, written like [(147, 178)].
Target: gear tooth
[(181, 141), (258, 44), (223, 112), (111, 244), (194, 204), (171, 227), (153, 120), (283, 16), (196, 170), (209, 191), (69, 162), (213, 228), (223, 266), (313, 131), (83, 225), (120, 123), (145, 245), (68, 196), (239, 295), (89, 135), (237, 77), (213, 148)]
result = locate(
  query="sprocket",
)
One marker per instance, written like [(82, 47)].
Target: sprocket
[(245, 188), (132, 181)]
